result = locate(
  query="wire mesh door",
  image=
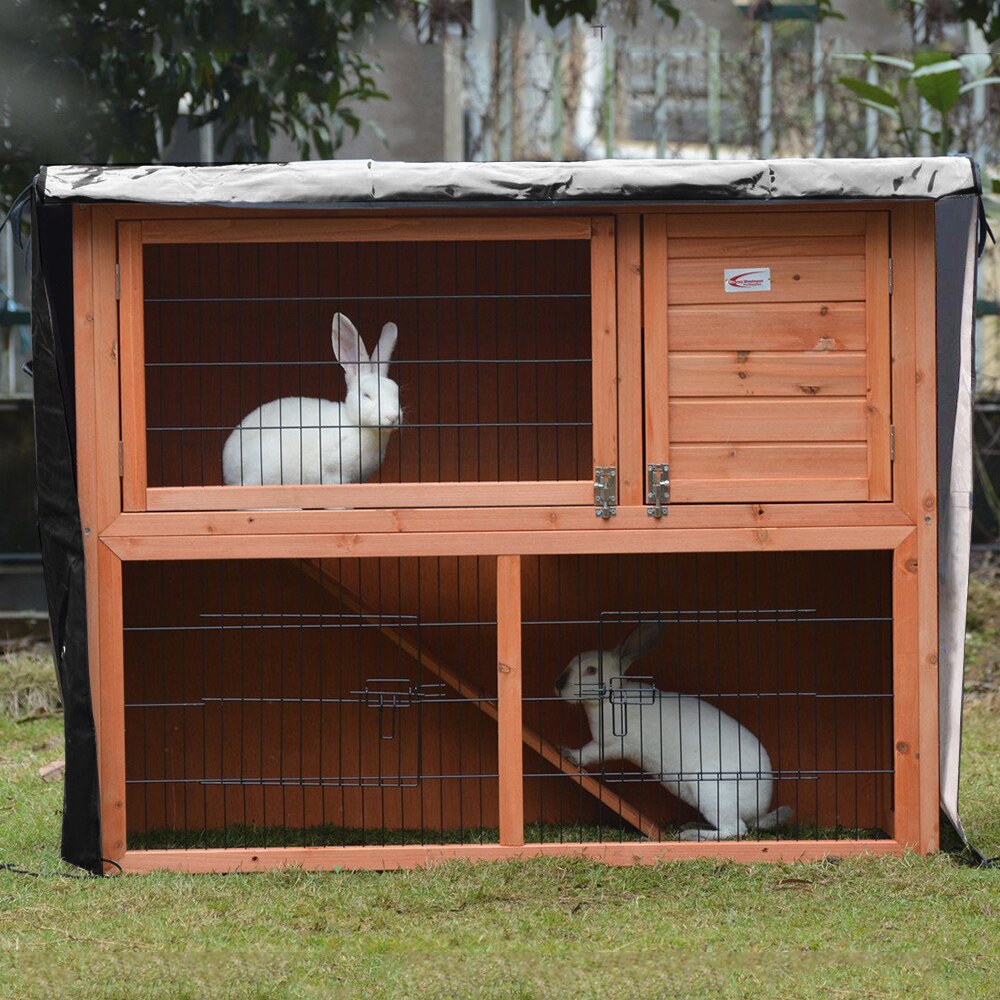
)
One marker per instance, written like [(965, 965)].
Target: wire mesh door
[(457, 364), (709, 697), (310, 703)]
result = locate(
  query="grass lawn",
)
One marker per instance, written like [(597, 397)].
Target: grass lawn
[(907, 927)]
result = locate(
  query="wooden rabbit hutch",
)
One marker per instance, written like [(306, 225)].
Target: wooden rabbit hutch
[(682, 416)]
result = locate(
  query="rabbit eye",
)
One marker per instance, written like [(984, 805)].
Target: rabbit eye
[(590, 671)]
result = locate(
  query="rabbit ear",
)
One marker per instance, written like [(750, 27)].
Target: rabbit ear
[(639, 641), (384, 348), (348, 347)]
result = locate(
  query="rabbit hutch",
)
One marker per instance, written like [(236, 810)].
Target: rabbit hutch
[(433, 511)]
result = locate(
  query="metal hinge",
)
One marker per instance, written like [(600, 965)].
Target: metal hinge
[(121, 460), (657, 490), (890, 276), (892, 443), (118, 282), (605, 490)]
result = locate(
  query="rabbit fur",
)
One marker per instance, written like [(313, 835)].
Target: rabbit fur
[(301, 440), (677, 737)]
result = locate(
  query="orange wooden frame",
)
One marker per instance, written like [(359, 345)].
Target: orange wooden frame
[(914, 741), (120, 521), (133, 234)]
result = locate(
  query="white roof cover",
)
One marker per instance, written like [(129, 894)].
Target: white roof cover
[(318, 183)]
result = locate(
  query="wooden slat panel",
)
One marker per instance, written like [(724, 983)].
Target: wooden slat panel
[(746, 326), (319, 230), (906, 693), (657, 320), (773, 222), (604, 356), (546, 519), (808, 279), (111, 749), (878, 354), (766, 490), (387, 858), (784, 245), (712, 420), (755, 373), (926, 666), (367, 495), (86, 431), (608, 539), (511, 754), (820, 460), (904, 364), (631, 483), (133, 370), (106, 375)]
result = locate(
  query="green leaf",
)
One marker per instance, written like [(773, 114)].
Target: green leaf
[(870, 92), (937, 80), (881, 108)]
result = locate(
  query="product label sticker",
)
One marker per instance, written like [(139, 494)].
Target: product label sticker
[(747, 279)]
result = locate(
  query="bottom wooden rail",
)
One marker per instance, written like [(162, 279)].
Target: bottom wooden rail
[(317, 571), (386, 858)]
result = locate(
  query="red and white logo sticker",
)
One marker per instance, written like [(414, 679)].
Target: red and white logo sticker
[(747, 279)]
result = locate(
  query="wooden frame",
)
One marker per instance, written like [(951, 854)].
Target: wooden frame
[(124, 520), (758, 397), (133, 235), (914, 767)]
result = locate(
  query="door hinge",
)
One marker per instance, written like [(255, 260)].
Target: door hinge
[(892, 443), (118, 282), (121, 460), (657, 490), (605, 490), (890, 276)]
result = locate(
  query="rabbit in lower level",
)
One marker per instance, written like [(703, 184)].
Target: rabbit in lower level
[(697, 752)]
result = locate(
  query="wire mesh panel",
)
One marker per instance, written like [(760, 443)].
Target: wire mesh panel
[(310, 702), (254, 374), (712, 696)]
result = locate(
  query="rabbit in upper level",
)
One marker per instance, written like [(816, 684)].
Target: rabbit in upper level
[(303, 440), (697, 752)]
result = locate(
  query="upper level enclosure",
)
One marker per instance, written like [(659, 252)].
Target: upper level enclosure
[(438, 362), (682, 356)]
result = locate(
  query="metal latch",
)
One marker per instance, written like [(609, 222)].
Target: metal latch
[(625, 691), (390, 694), (657, 490), (605, 490)]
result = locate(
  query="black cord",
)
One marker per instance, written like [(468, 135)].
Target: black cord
[(14, 869)]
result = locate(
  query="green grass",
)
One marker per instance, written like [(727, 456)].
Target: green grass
[(892, 927), (27, 684), (330, 835)]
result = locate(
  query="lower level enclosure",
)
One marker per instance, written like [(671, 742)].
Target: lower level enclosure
[(354, 702)]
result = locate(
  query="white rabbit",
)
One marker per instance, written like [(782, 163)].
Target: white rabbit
[(697, 752), (303, 440)]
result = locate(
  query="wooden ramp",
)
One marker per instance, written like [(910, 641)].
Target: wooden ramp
[(317, 571)]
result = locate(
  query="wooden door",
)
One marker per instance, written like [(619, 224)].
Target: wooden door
[(767, 360), (506, 363)]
